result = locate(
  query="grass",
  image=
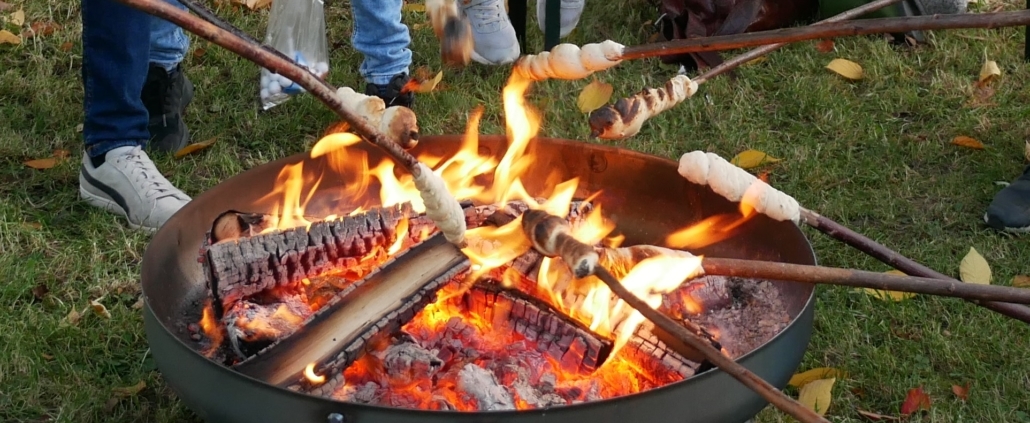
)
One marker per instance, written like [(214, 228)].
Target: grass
[(873, 154)]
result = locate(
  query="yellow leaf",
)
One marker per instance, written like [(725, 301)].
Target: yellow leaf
[(430, 84), (968, 142), (99, 309), (889, 295), (18, 18), (1021, 281), (754, 61), (748, 159), (8, 37), (195, 147), (129, 391), (846, 68), (989, 71), (414, 7), (803, 378), (46, 163), (594, 95), (72, 318), (974, 268), (817, 394)]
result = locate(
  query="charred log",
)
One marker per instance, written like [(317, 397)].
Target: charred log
[(337, 334)]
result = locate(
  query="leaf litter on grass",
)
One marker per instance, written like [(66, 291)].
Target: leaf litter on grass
[(974, 268)]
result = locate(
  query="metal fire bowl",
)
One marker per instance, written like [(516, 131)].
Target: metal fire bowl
[(643, 193)]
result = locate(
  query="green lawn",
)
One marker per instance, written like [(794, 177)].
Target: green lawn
[(874, 155)]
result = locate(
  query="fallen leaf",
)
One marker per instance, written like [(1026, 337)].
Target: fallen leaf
[(195, 147), (5, 6), (32, 225), (430, 84), (749, 159), (111, 404), (756, 61), (99, 309), (199, 52), (8, 37), (46, 163), (846, 68), (41, 29), (72, 318), (915, 400), (138, 304), (594, 95), (66, 46), (47, 357), (129, 391), (968, 142), (39, 291), (824, 46), (974, 268), (764, 176), (889, 295), (817, 394), (18, 17), (803, 378), (989, 72), (78, 128), (876, 416), (1021, 281), (61, 153), (414, 7), (962, 392)]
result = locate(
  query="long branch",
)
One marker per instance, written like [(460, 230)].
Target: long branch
[(828, 30), (256, 53), (862, 279)]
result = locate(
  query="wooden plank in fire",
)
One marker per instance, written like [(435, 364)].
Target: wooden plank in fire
[(338, 333)]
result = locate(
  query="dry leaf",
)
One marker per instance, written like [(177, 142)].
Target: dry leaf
[(47, 357), (46, 163), (8, 37), (962, 392), (39, 291), (801, 379), (72, 317), (195, 147), (41, 29), (968, 142), (756, 61), (974, 268), (824, 46), (99, 309), (62, 153), (889, 295), (1021, 281), (846, 68), (32, 225), (430, 84), (989, 72), (594, 95), (764, 176), (748, 159), (817, 394), (129, 391), (876, 416), (138, 304), (66, 46), (915, 400), (199, 52), (18, 18), (414, 7)]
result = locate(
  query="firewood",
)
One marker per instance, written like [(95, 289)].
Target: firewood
[(452, 29), (628, 115), (338, 333), (397, 122)]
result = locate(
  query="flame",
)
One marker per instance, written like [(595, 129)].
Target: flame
[(309, 373), (719, 227), (211, 328)]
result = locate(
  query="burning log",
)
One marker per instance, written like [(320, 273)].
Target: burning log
[(338, 333)]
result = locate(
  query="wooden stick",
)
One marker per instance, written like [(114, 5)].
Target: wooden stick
[(862, 279), (896, 260), (550, 236), (828, 30), (277, 63)]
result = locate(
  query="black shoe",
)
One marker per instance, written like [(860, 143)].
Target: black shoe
[(166, 95), (1010, 209), (393, 93)]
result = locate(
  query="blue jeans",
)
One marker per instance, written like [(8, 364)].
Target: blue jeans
[(381, 37), (118, 45)]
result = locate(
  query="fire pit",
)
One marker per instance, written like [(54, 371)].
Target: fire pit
[(643, 195)]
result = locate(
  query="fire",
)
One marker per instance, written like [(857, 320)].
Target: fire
[(214, 332), (309, 373)]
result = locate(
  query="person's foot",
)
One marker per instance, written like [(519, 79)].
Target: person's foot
[(495, 40), (571, 10), (393, 94), (127, 183), (1010, 209), (166, 95)]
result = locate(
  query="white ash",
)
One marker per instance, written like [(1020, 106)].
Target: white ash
[(481, 384), (408, 362), (364, 394), (540, 395)]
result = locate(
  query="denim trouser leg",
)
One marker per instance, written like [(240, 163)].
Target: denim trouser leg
[(115, 49), (381, 37), (168, 42)]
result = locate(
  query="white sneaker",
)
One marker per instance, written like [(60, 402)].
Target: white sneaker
[(571, 10), (495, 40), (129, 184)]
